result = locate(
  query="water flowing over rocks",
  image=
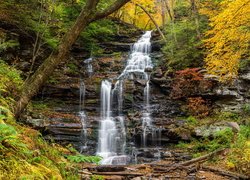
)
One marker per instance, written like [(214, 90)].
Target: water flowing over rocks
[(63, 92)]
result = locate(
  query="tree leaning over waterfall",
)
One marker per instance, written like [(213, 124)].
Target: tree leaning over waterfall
[(88, 14)]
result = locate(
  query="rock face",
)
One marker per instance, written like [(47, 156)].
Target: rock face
[(62, 94), (234, 97)]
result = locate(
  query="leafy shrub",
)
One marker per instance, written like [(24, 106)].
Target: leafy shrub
[(197, 106), (6, 42), (192, 120), (230, 116), (246, 109), (221, 139), (189, 82), (25, 155), (239, 157), (10, 86)]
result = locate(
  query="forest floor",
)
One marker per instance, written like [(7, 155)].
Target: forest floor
[(197, 168)]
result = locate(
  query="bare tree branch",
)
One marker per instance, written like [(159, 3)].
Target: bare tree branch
[(152, 19)]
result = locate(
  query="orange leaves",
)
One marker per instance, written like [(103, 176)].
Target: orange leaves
[(189, 82), (198, 107), (228, 40)]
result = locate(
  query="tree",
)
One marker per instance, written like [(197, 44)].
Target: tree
[(132, 14), (184, 48), (228, 40), (88, 14), (152, 19)]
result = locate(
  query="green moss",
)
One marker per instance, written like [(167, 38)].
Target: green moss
[(192, 120), (96, 177)]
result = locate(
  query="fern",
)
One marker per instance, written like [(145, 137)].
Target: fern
[(81, 158)]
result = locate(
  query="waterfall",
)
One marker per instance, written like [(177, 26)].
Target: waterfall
[(108, 130), (112, 132), (139, 60), (82, 90), (89, 66), (82, 115)]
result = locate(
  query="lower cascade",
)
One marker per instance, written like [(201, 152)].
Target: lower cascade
[(112, 132), (110, 142)]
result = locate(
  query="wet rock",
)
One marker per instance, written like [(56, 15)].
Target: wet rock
[(210, 131), (158, 73), (234, 125), (37, 123), (137, 178), (167, 154), (245, 76), (146, 154)]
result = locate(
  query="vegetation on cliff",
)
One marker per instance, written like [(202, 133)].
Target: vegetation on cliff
[(198, 34)]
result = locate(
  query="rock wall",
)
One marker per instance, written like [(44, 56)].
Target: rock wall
[(61, 95)]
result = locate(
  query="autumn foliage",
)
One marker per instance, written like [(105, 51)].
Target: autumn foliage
[(133, 14), (189, 82), (228, 40), (198, 107)]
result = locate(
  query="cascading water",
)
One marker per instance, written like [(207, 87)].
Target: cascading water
[(139, 60), (111, 144), (89, 66), (82, 116), (107, 131)]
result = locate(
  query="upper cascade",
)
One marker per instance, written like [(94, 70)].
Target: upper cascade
[(139, 59)]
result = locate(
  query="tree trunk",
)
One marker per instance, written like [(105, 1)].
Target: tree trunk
[(169, 12), (87, 15), (196, 17), (163, 13), (152, 19), (172, 21)]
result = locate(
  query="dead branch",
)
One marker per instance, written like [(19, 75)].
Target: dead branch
[(224, 172), (152, 19), (202, 158)]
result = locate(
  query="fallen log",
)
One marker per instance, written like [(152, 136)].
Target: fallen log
[(202, 158), (118, 173), (168, 169), (224, 172), (110, 168)]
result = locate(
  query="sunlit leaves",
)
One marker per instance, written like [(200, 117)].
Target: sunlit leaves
[(228, 40), (133, 14)]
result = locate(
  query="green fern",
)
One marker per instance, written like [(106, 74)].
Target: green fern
[(81, 158)]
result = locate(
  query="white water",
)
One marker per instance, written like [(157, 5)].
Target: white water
[(111, 144), (139, 59), (82, 90), (89, 66), (82, 116), (107, 131)]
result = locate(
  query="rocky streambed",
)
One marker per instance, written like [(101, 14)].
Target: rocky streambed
[(176, 164)]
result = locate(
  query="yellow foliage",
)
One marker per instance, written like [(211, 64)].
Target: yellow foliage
[(228, 40), (133, 14)]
